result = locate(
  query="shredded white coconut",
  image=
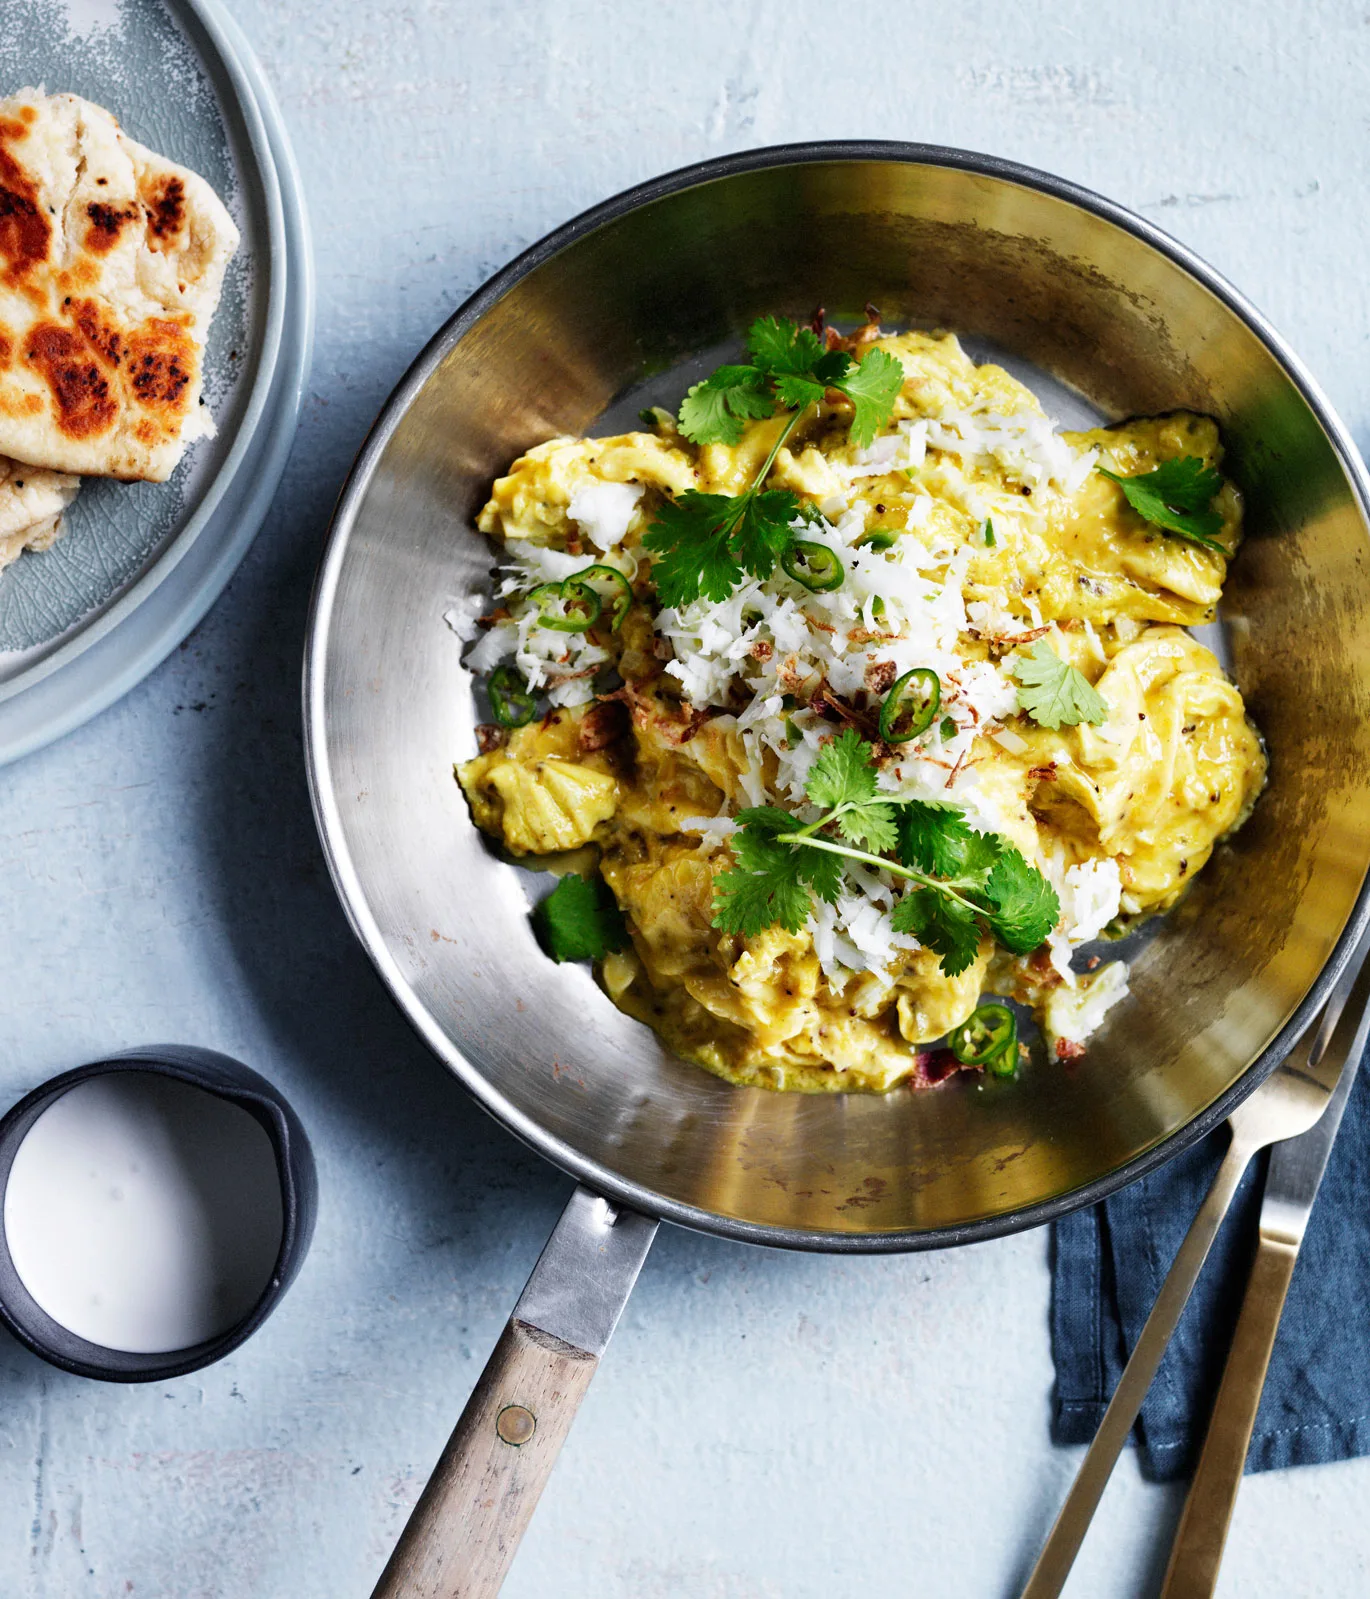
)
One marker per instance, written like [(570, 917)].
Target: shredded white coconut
[(462, 614), (604, 511), (1073, 1014), (1025, 446), (714, 831), (1090, 893)]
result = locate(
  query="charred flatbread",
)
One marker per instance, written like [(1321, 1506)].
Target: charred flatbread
[(111, 264), (32, 501)]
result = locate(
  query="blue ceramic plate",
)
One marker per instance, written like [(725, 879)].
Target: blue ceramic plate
[(139, 564)]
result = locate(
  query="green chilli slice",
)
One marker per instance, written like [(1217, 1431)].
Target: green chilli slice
[(814, 566), (988, 1037), (609, 586), (911, 705), (511, 701), (569, 607)]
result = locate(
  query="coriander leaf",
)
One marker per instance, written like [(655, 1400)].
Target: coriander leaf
[(761, 535), (754, 843), (1053, 691), (872, 387), (869, 822), (778, 345), (843, 773), (830, 368), (690, 540), (821, 871), (942, 923), (580, 920), (843, 780), (1022, 905), (1177, 496), (749, 902), (713, 411), (796, 390), (770, 882), (796, 361), (982, 851), (933, 836)]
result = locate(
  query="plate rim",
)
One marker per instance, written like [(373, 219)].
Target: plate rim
[(193, 16), (281, 403), (327, 815)]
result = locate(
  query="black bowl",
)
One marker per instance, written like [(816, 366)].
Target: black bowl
[(227, 1079)]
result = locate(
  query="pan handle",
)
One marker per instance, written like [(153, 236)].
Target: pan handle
[(465, 1529)]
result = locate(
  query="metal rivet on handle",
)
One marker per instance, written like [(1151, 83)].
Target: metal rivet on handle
[(516, 1424)]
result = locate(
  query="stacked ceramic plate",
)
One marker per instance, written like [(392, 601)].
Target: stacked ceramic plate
[(140, 564)]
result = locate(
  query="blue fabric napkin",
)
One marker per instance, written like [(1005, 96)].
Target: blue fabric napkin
[(1108, 1264)]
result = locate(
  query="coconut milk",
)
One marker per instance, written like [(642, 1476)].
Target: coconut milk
[(144, 1214)]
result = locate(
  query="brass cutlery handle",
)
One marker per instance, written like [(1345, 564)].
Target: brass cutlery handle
[(1058, 1554), (1202, 1533)]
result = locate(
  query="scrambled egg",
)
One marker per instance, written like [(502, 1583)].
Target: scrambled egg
[(637, 773)]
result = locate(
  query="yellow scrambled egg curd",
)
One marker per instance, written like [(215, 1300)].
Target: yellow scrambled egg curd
[(969, 480)]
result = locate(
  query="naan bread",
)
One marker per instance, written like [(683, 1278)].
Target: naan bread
[(111, 263), (32, 500)]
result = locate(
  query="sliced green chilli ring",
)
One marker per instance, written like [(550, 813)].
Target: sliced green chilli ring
[(1005, 1063), (511, 702), (813, 565), (911, 705), (879, 538), (988, 1037), (609, 586), (569, 607)]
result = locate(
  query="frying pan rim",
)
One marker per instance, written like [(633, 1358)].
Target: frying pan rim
[(328, 821)]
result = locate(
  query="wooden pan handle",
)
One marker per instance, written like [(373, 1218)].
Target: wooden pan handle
[(467, 1524), (464, 1531)]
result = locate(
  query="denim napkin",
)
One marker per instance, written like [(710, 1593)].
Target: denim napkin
[(1108, 1263)]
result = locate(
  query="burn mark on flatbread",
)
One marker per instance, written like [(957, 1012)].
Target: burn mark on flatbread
[(103, 334), (107, 222), (164, 200), (6, 347), (25, 233), (80, 390), (161, 366)]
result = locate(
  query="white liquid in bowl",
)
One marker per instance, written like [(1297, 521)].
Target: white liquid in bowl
[(144, 1214)]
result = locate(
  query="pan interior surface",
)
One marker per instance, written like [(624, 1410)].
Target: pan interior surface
[(995, 254)]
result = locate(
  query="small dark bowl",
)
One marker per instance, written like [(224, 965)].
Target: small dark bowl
[(228, 1079)]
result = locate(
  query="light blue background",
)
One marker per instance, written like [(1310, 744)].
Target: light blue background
[(764, 1426)]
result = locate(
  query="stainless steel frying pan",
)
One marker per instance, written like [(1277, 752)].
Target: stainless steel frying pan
[(1085, 292)]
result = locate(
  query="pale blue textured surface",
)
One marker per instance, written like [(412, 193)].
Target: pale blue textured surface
[(764, 1426)]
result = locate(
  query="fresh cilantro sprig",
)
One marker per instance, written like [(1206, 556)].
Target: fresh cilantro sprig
[(1053, 691), (580, 920), (1177, 496), (715, 411), (962, 883), (791, 368), (704, 544)]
